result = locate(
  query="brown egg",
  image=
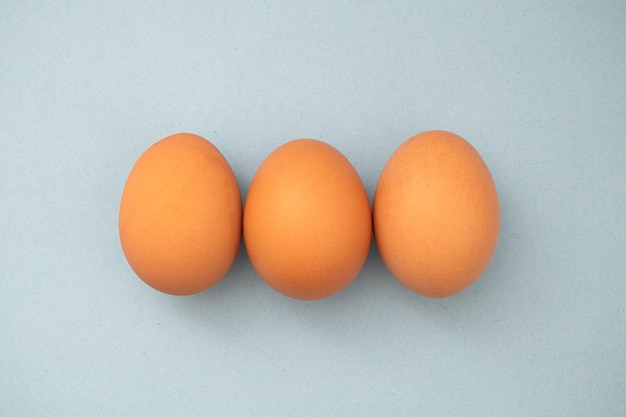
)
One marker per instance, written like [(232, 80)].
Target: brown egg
[(307, 220), (436, 214), (180, 215)]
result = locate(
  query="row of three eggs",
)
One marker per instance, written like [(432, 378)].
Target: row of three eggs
[(307, 222)]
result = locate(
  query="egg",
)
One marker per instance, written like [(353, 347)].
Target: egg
[(307, 220), (436, 214), (180, 216)]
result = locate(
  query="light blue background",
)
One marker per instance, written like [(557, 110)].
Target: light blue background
[(538, 87)]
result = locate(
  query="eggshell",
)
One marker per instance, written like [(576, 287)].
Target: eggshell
[(307, 220), (436, 214), (180, 215)]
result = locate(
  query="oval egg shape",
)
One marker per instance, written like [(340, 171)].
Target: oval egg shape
[(436, 214), (180, 215), (307, 220)]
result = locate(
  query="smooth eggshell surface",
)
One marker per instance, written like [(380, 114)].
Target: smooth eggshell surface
[(180, 215), (436, 214), (307, 220)]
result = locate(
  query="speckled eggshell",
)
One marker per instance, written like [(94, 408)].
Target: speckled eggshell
[(180, 215), (436, 214)]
